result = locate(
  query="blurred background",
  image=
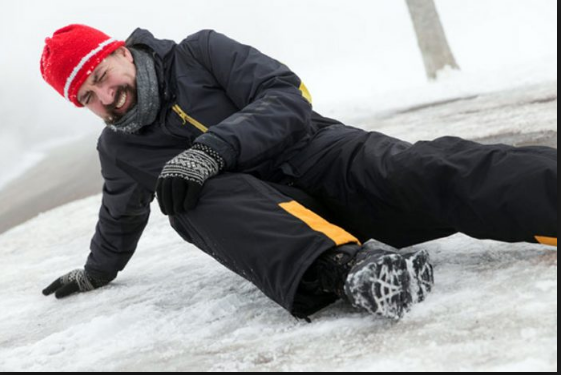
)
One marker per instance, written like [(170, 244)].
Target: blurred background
[(357, 57)]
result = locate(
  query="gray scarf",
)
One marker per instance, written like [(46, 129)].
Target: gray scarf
[(148, 98)]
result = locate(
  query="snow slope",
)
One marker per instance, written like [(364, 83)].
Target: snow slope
[(494, 307)]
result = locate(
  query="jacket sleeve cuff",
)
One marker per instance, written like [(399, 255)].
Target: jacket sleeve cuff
[(100, 275), (221, 147)]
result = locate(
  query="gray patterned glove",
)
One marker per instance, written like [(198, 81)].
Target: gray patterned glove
[(73, 282), (183, 177)]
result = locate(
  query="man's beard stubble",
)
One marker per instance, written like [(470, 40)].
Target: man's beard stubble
[(113, 114)]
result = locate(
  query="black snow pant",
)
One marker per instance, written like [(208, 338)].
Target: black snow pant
[(349, 185)]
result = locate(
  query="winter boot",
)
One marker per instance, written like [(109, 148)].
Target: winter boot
[(422, 275), (386, 283), (323, 283), (331, 269)]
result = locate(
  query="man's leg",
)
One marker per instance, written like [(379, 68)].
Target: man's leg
[(374, 277), (494, 192), (402, 194), (264, 236)]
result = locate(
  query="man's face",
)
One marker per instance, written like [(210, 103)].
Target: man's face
[(110, 91)]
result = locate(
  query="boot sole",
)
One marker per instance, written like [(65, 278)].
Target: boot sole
[(381, 287), (422, 275)]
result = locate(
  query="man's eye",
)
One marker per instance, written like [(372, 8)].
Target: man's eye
[(97, 78), (103, 76)]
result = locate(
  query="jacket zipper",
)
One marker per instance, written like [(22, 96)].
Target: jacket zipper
[(188, 119)]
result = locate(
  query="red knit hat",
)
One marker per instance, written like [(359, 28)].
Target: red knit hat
[(71, 55)]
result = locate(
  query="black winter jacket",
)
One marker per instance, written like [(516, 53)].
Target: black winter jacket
[(247, 106)]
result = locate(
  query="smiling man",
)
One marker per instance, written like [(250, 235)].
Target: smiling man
[(110, 92), (227, 139)]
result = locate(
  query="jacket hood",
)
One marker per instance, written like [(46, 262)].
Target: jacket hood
[(162, 51), (141, 37)]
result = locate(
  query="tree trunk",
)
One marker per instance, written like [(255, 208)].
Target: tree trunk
[(431, 37)]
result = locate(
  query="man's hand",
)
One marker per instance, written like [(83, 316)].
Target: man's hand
[(73, 282), (183, 177)]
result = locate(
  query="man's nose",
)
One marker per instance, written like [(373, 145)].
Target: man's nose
[(106, 95)]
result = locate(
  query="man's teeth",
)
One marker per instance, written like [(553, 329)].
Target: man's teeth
[(122, 101)]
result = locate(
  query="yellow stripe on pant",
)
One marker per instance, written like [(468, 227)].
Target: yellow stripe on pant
[(319, 224), (551, 241)]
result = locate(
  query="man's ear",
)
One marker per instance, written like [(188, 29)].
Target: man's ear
[(124, 52)]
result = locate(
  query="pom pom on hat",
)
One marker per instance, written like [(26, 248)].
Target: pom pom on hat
[(71, 55)]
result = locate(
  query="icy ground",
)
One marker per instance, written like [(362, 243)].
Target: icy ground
[(494, 307), (174, 308)]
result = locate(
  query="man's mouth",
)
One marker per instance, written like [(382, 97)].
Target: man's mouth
[(125, 99), (122, 100)]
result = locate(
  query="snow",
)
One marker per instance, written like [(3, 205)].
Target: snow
[(494, 306), (476, 115)]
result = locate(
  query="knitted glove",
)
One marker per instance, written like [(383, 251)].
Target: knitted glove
[(73, 282), (183, 177)]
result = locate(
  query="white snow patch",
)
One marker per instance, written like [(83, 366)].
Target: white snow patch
[(494, 308)]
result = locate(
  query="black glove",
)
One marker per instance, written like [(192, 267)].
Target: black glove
[(183, 177), (75, 281)]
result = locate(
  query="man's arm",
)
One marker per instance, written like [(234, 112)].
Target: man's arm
[(124, 213), (274, 112)]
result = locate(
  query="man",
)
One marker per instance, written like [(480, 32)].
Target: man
[(227, 139)]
